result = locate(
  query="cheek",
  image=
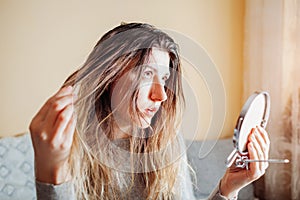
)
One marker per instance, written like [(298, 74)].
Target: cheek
[(143, 97)]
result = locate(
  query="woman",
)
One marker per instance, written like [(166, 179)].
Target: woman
[(111, 131)]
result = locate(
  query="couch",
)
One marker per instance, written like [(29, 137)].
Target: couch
[(17, 167)]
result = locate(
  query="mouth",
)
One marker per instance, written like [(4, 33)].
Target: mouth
[(150, 112)]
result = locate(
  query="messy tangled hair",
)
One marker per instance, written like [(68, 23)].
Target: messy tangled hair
[(101, 167)]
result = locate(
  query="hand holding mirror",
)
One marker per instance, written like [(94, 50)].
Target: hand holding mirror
[(255, 112)]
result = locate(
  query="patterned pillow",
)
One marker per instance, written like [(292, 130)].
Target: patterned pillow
[(17, 168)]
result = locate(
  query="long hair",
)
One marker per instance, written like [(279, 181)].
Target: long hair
[(105, 168)]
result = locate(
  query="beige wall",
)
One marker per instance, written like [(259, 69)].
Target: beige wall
[(42, 42)]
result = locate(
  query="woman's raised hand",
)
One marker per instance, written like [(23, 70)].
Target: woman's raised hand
[(237, 178), (52, 130)]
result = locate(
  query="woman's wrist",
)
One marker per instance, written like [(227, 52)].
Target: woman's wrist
[(53, 175), (226, 191)]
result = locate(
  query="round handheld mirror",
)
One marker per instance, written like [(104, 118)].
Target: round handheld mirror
[(255, 112)]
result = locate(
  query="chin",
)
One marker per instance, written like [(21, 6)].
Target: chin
[(144, 126), (144, 123)]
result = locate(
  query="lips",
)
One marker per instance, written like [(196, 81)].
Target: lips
[(150, 112)]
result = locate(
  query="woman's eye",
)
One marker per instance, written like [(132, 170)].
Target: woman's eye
[(148, 74)]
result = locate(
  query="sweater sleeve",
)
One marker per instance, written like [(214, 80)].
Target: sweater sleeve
[(45, 191)]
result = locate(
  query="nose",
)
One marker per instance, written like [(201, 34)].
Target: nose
[(157, 92)]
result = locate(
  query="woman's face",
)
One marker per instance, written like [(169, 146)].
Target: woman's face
[(151, 91)]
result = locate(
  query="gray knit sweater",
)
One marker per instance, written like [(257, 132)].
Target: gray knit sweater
[(66, 190)]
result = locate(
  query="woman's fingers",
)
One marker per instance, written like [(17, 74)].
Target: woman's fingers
[(64, 91), (42, 113), (55, 108), (264, 144), (61, 122), (58, 108), (254, 166), (265, 136), (259, 150), (69, 132), (263, 141)]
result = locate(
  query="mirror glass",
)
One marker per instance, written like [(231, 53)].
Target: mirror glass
[(254, 113)]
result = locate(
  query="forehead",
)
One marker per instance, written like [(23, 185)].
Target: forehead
[(159, 60)]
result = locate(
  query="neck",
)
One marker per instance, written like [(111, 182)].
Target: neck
[(121, 133)]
